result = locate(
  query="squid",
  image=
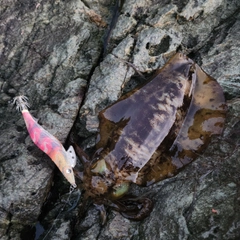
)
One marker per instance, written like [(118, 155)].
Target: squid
[(151, 133)]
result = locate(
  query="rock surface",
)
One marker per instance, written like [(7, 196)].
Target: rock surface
[(51, 52)]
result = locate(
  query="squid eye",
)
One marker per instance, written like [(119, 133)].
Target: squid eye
[(99, 167), (68, 170), (120, 190)]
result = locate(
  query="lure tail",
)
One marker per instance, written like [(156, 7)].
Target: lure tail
[(65, 160), (21, 103)]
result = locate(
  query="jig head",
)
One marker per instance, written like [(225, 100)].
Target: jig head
[(65, 160)]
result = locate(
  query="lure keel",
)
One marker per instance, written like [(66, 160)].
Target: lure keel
[(64, 160)]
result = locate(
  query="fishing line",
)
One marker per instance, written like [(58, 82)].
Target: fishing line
[(67, 202)]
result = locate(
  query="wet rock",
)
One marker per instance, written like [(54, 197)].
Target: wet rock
[(49, 51), (223, 57), (151, 45)]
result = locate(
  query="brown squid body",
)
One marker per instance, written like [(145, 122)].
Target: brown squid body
[(154, 130)]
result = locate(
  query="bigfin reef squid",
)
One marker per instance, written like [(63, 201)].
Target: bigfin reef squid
[(152, 132)]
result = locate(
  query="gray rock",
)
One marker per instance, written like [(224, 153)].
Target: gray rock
[(50, 52)]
